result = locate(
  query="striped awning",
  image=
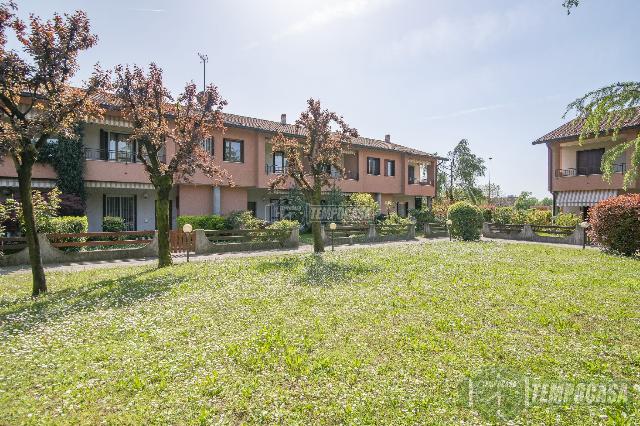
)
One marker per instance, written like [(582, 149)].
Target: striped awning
[(119, 185), (35, 183), (584, 198)]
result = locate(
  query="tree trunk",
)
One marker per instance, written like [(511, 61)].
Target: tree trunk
[(24, 170), (316, 225), (162, 218)]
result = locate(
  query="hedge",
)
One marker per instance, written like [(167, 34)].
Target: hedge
[(615, 224), (69, 225), (466, 221), (210, 222)]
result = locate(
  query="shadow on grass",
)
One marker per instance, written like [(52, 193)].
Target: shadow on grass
[(317, 269), (101, 295)]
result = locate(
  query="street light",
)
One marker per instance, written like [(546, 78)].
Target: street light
[(449, 223), (489, 171), (584, 225), (333, 227), (187, 229)]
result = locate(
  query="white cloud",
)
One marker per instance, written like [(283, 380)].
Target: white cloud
[(336, 11), (476, 32)]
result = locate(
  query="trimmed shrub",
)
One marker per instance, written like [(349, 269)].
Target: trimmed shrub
[(615, 224), (395, 219), (538, 217), (567, 219), (209, 222), (284, 224), (422, 216), (113, 224), (487, 213), (467, 221), (440, 210), (503, 215), (69, 225), (244, 220)]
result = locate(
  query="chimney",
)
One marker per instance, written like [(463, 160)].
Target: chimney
[(283, 119), (387, 138)]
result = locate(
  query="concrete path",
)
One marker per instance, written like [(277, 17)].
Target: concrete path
[(307, 248)]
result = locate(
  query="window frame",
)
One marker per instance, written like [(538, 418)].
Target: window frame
[(225, 156), (392, 172), (376, 167), (203, 144)]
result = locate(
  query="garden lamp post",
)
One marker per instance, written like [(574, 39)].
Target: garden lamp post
[(584, 225), (333, 227), (449, 223), (187, 229)]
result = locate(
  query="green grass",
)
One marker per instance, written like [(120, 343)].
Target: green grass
[(365, 336), (306, 238)]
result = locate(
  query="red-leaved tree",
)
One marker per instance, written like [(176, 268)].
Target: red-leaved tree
[(158, 120), (37, 101), (311, 157)]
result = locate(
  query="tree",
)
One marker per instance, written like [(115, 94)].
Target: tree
[(37, 100), (490, 191), (525, 201), (310, 159), (546, 201), (462, 170), (606, 111), (157, 119)]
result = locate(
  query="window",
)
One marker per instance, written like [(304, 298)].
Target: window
[(278, 162), (588, 161), (411, 171), (389, 167), (253, 208), (208, 145), (123, 206), (418, 203), (116, 147), (233, 151), (373, 166)]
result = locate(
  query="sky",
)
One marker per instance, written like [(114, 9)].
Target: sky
[(498, 73)]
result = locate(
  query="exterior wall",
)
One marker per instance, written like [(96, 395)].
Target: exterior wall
[(563, 156), (195, 200), (196, 197), (40, 171), (232, 199), (145, 210)]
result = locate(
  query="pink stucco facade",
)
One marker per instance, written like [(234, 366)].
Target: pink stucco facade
[(115, 177)]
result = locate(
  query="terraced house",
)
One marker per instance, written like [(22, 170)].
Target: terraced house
[(117, 185), (574, 174)]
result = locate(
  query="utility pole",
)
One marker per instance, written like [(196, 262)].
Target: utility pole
[(489, 170), (204, 59)]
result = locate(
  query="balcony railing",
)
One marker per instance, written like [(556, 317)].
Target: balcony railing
[(111, 155), (425, 181), (274, 170), (586, 171)]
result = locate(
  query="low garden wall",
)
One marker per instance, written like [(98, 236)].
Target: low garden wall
[(51, 254), (223, 241), (372, 233), (537, 233)]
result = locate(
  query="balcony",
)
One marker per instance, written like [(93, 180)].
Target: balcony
[(588, 171), (274, 170), (112, 155), (425, 181)]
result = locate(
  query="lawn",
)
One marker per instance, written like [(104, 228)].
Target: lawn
[(364, 336)]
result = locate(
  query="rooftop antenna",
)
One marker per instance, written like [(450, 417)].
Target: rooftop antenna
[(204, 59)]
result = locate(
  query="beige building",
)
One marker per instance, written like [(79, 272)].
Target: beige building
[(574, 175)]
